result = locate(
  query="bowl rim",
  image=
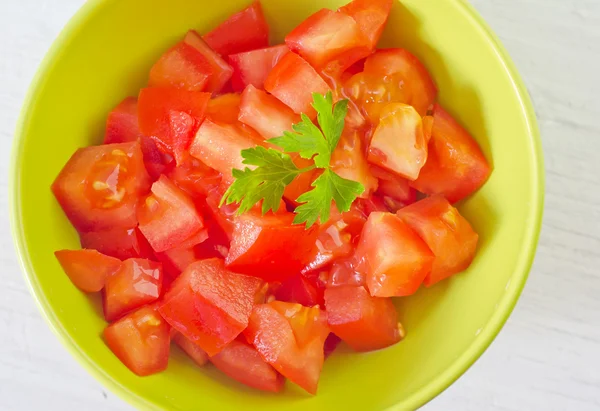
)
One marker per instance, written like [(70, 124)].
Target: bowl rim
[(416, 399)]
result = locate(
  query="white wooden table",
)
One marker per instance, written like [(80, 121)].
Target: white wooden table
[(548, 355)]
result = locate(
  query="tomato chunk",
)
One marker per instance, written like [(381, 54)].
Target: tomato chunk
[(398, 143), (448, 234), (122, 125), (345, 272), (349, 161), (243, 363), (220, 71), (141, 341), (171, 117), (394, 190), (121, 243), (138, 282), (225, 108), (363, 322), (243, 31), (393, 257), (270, 247), (219, 146), (196, 353), (371, 16), (99, 186), (293, 81), (168, 217), (330, 41), (291, 338), (253, 67), (87, 269), (209, 304), (456, 167), (301, 290), (182, 66), (195, 178)]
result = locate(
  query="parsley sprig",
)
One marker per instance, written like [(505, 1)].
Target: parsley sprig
[(273, 170)]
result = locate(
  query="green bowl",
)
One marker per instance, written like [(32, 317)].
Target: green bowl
[(105, 53)]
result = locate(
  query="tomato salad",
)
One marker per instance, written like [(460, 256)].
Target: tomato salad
[(257, 204)]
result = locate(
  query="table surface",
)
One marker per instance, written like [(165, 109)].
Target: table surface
[(548, 355)]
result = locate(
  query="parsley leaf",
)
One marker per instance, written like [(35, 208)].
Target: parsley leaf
[(317, 202)]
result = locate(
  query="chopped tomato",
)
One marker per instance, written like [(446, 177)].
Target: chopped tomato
[(301, 290), (330, 41), (243, 31), (291, 338), (171, 117), (345, 272), (270, 247), (363, 322), (366, 206), (196, 353), (371, 16), (219, 146), (176, 260), (243, 363), (196, 178), (293, 81), (220, 71), (209, 304), (253, 67), (456, 167), (394, 190), (168, 217), (225, 108), (155, 160), (122, 124), (393, 257), (448, 234), (182, 66), (141, 341), (121, 243), (87, 269), (99, 187), (349, 161), (398, 143), (331, 344), (138, 282)]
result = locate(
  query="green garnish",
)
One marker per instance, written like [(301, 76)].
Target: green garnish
[(274, 170)]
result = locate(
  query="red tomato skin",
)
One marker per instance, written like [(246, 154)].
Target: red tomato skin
[(330, 41), (182, 66), (141, 341), (87, 269), (243, 31), (291, 338), (270, 247), (253, 67), (293, 81), (75, 184), (121, 243), (220, 71), (456, 167), (243, 363), (209, 304), (122, 124), (363, 322), (448, 234), (393, 257), (196, 353), (370, 15), (138, 282), (300, 290)]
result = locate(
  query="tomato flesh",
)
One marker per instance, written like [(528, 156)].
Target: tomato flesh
[(220, 71), (225, 108), (121, 243), (371, 17), (349, 161), (243, 363), (182, 66), (394, 190), (253, 67), (363, 322), (301, 290), (141, 341), (196, 353), (270, 247), (122, 124), (209, 304), (456, 167), (291, 338), (168, 217), (99, 187), (345, 272), (293, 81), (243, 31), (393, 257), (87, 269)]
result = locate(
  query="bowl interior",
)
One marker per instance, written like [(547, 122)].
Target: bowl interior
[(105, 54)]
